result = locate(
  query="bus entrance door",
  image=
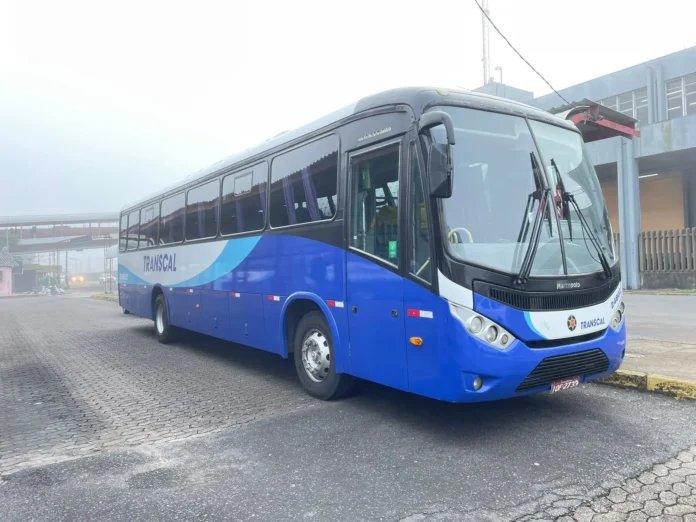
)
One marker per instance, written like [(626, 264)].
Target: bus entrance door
[(375, 297)]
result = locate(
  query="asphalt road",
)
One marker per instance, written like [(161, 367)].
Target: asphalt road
[(100, 422), (661, 317)]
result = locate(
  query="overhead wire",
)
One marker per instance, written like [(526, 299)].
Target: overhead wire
[(518, 53)]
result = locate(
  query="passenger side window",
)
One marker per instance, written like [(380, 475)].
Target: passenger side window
[(123, 233), (375, 203), (244, 201), (133, 229), (419, 253), (202, 211), (172, 220), (149, 225), (304, 183)]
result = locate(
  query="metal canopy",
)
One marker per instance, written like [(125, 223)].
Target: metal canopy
[(58, 219), (597, 122)]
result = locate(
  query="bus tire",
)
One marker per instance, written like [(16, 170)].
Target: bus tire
[(125, 312), (166, 333), (314, 359)]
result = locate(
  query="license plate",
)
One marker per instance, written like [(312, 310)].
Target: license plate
[(566, 384)]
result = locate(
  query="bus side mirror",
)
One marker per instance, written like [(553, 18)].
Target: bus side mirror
[(440, 157), (440, 170)]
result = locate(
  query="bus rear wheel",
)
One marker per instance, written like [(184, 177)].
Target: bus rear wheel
[(314, 359), (166, 333)]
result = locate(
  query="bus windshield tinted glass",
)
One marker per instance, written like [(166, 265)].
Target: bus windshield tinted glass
[(497, 193)]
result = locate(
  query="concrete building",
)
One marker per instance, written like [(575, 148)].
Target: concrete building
[(7, 263), (649, 182)]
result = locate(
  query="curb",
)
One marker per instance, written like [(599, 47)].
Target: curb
[(652, 383), (661, 292), (103, 297)]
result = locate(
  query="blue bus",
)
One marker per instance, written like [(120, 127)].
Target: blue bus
[(442, 242)]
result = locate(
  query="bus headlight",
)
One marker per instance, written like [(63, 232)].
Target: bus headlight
[(491, 334), (482, 328), (618, 316), (476, 325)]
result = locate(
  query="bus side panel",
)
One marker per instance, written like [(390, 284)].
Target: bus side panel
[(246, 320), (183, 312), (424, 362), (144, 299), (124, 297), (214, 313), (342, 349), (272, 310)]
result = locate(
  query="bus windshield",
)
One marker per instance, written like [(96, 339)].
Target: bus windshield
[(498, 187)]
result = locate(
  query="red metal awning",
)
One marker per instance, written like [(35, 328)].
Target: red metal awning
[(597, 122)]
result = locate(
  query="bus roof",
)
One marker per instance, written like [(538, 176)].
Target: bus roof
[(418, 98)]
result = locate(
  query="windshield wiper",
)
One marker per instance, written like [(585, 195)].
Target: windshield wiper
[(542, 194), (568, 197)]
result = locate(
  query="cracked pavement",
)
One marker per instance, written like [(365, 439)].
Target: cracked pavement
[(100, 422)]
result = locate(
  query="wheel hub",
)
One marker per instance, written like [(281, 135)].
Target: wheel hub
[(159, 319), (316, 357)]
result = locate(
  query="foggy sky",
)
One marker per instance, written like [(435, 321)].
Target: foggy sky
[(101, 104)]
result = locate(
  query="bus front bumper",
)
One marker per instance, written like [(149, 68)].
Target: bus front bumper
[(521, 370)]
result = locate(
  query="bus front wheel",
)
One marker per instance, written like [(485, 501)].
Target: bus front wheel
[(166, 333), (314, 359)]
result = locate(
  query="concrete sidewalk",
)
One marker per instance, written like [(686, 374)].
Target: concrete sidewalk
[(661, 348)]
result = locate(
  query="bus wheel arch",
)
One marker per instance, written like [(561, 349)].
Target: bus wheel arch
[(166, 333), (310, 333), (297, 306), (157, 290)]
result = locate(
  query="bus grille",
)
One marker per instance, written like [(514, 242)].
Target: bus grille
[(540, 301), (559, 367)]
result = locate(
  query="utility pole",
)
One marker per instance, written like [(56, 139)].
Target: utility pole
[(486, 49), (500, 69)]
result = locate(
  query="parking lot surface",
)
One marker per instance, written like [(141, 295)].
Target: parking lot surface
[(98, 421)]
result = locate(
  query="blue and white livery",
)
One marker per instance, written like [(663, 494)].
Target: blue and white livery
[(441, 242)]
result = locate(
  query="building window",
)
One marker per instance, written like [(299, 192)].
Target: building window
[(626, 103), (2, 275), (149, 225), (244, 201), (633, 104), (675, 107), (640, 97), (304, 183), (681, 96), (202, 211), (690, 93), (610, 103), (172, 220)]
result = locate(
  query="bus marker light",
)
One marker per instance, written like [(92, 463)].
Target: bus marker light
[(337, 304), (420, 313), (235, 294), (478, 382), (197, 305), (274, 298), (416, 341), (190, 290)]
